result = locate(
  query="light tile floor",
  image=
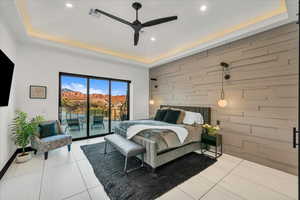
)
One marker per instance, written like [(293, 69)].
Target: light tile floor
[(69, 176)]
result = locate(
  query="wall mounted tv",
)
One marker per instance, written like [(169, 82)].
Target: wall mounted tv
[(7, 69)]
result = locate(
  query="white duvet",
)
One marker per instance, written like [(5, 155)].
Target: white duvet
[(181, 132)]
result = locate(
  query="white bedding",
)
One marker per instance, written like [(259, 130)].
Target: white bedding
[(181, 132)]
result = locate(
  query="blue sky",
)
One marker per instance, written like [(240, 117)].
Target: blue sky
[(96, 86)]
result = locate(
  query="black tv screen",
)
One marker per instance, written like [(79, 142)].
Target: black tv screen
[(7, 70)]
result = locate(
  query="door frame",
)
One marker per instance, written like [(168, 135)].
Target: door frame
[(88, 77)]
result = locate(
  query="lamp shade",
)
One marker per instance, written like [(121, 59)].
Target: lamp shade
[(222, 103), (151, 102)]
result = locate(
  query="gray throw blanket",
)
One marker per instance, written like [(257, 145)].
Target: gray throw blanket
[(164, 139)]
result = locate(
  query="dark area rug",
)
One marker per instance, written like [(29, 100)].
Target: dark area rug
[(141, 184)]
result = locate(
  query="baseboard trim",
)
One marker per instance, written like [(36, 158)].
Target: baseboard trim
[(8, 163), (11, 160)]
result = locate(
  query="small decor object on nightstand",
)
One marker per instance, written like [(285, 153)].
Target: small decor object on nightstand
[(37, 92), (211, 130), (210, 137)]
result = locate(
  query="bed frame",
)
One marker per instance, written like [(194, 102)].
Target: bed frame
[(155, 159)]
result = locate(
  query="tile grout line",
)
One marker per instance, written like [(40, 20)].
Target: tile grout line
[(73, 195), (42, 178), (184, 193), (264, 186), (86, 186), (222, 180)]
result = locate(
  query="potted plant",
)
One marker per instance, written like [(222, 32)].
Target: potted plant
[(23, 129)]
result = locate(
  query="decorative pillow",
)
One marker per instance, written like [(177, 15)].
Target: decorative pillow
[(181, 116), (160, 114), (172, 116), (48, 129), (193, 118)]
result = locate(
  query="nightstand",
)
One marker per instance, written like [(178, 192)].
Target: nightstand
[(212, 140)]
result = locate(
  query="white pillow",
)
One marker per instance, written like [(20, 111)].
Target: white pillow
[(192, 118)]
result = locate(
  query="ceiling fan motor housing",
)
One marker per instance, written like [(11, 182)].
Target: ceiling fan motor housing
[(137, 5)]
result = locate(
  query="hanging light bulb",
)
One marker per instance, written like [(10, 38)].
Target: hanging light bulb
[(222, 102), (151, 102)]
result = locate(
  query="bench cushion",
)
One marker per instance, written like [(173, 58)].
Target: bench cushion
[(124, 146)]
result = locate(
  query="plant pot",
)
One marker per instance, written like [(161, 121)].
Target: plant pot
[(23, 157)]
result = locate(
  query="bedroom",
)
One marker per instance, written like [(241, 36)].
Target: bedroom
[(182, 65)]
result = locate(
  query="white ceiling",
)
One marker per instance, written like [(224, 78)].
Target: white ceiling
[(52, 20)]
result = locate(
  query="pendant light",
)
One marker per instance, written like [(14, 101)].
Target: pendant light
[(151, 102), (223, 102)]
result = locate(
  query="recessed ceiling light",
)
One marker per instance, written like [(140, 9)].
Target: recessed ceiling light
[(152, 39), (203, 8), (69, 5)]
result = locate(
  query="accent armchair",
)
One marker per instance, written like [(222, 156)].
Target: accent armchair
[(55, 138)]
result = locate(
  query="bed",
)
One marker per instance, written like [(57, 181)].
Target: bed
[(162, 146)]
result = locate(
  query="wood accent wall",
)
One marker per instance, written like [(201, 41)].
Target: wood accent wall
[(262, 93)]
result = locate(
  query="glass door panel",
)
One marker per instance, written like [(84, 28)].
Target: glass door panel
[(92, 106), (119, 102), (99, 107), (73, 105)]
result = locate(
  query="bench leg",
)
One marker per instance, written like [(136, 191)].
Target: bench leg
[(153, 170), (105, 145), (125, 166), (69, 148), (142, 160)]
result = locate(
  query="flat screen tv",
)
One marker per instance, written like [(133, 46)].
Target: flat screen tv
[(7, 70)]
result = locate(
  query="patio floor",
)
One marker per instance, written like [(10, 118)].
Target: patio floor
[(96, 130)]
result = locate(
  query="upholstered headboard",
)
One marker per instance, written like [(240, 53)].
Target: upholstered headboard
[(205, 111)]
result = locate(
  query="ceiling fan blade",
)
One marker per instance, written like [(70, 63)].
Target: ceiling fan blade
[(159, 21), (136, 37), (113, 17)]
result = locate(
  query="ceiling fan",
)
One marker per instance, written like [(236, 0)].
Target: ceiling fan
[(136, 25)]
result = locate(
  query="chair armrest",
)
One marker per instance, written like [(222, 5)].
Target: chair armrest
[(36, 142), (64, 130)]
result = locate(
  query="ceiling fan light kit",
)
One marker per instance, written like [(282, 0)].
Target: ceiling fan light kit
[(136, 25)]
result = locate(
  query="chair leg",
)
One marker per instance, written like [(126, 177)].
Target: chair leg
[(46, 155), (69, 147), (35, 151)]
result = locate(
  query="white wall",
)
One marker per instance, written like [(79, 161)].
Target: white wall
[(40, 65), (7, 148)]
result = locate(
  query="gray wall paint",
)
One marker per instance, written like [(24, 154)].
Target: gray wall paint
[(262, 93)]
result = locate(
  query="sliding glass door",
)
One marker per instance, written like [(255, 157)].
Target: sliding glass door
[(99, 106), (119, 102), (73, 105), (92, 106)]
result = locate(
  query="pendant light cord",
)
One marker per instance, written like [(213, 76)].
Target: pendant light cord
[(151, 96), (222, 91)]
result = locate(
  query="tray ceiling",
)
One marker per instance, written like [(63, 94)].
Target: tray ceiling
[(68, 22)]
